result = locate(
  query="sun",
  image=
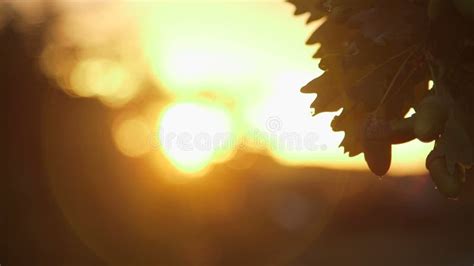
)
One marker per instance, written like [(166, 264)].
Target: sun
[(194, 135)]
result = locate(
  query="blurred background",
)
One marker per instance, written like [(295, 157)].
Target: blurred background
[(174, 133)]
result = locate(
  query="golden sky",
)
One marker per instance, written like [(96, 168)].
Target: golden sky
[(230, 70)]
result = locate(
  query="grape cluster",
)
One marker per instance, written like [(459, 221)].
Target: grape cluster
[(378, 57)]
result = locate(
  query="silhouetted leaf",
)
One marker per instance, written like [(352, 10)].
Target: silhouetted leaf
[(351, 121), (378, 57)]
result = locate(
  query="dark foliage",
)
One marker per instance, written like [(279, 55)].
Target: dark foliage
[(378, 57)]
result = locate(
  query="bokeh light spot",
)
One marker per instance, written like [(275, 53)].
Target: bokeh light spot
[(104, 78), (132, 137)]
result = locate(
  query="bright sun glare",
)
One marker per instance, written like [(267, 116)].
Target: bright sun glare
[(250, 55), (194, 135)]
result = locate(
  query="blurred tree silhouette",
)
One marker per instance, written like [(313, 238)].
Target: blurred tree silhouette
[(379, 57)]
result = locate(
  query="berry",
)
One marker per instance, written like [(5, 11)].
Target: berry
[(448, 184), (430, 118)]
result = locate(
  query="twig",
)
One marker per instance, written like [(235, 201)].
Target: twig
[(399, 71), (406, 80), (385, 63)]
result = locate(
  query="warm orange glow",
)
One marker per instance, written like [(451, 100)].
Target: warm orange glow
[(133, 137), (105, 79), (248, 56), (92, 59), (194, 135)]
